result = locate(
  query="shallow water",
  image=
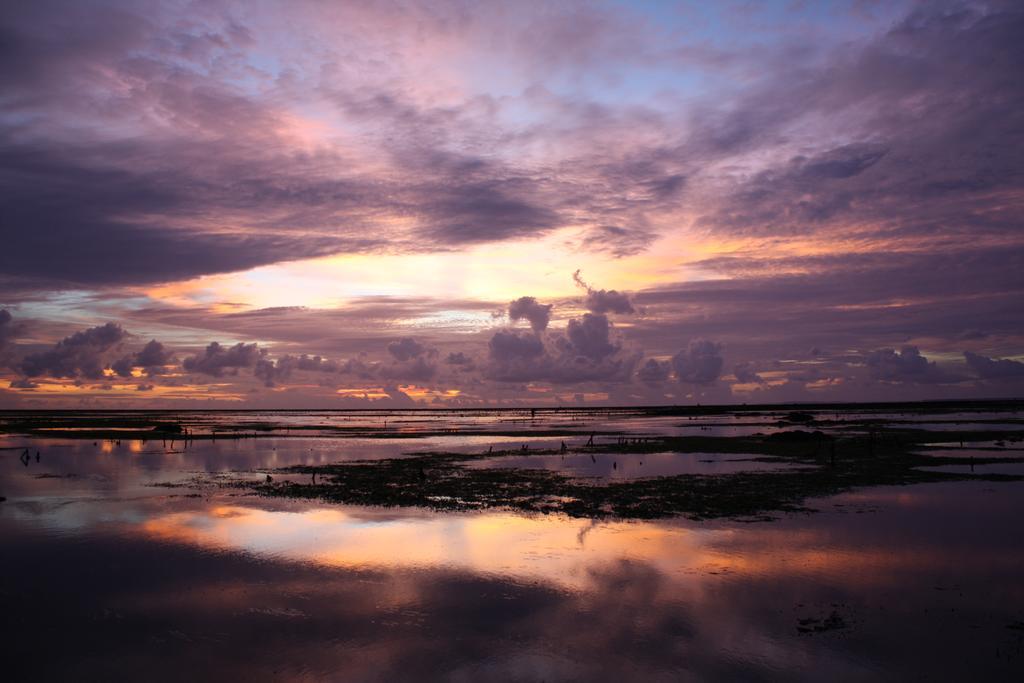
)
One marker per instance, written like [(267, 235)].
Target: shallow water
[(106, 576), (992, 452), (1010, 468)]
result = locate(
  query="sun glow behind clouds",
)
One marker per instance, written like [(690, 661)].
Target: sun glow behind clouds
[(490, 272)]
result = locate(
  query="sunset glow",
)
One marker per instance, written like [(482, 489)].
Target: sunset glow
[(823, 195)]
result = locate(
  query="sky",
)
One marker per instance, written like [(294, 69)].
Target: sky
[(386, 204)]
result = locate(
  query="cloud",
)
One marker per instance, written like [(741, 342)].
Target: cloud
[(216, 358), (23, 383), (485, 212), (619, 242), (508, 345), (527, 307), (699, 363), (746, 374), (314, 363), (905, 365), (602, 301), (589, 336), (153, 356), (274, 371), (152, 359), (654, 371), (138, 147), (990, 368), (584, 354), (406, 349), (6, 328), (79, 355), (9, 329), (414, 362), (890, 176), (458, 358), (418, 369)]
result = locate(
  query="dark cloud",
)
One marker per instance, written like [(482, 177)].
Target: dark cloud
[(459, 359), (585, 353), (9, 329), (79, 355), (86, 209), (414, 361), (486, 212), (508, 345), (842, 162), (589, 336), (619, 242), (123, 366), (759, 305), (654, 371), (269, 372), (602, 301), (746, 374), (406, 349), (152, 359), (273, 371), (990, 368), (314, 364), (215, 359), (152, 356), (527, 307), (952, 60), (418, 369), (699, 363), (6, 328), (905, 365), (23, 383)]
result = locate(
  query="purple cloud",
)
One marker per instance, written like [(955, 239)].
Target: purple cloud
[(699, 363), (216, 358), (601, 301), (536, 313), (79, 355), (905, 365), (990, 368)]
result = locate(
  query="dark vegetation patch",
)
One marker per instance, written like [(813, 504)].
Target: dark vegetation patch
[(826, 466)]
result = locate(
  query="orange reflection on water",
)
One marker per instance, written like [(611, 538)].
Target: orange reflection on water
[(550, 547), (554, 548)]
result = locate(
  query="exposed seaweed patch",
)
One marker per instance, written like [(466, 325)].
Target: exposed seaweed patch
[(440, 480)]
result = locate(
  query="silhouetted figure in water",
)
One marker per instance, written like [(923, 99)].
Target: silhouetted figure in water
[(269, 479), (590, 441), (524, 449), (490, 449), (24, 458), (615, 465), (314, 479), (564, 447), (37, 456)]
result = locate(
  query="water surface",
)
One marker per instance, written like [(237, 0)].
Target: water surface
[(111, 574)]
